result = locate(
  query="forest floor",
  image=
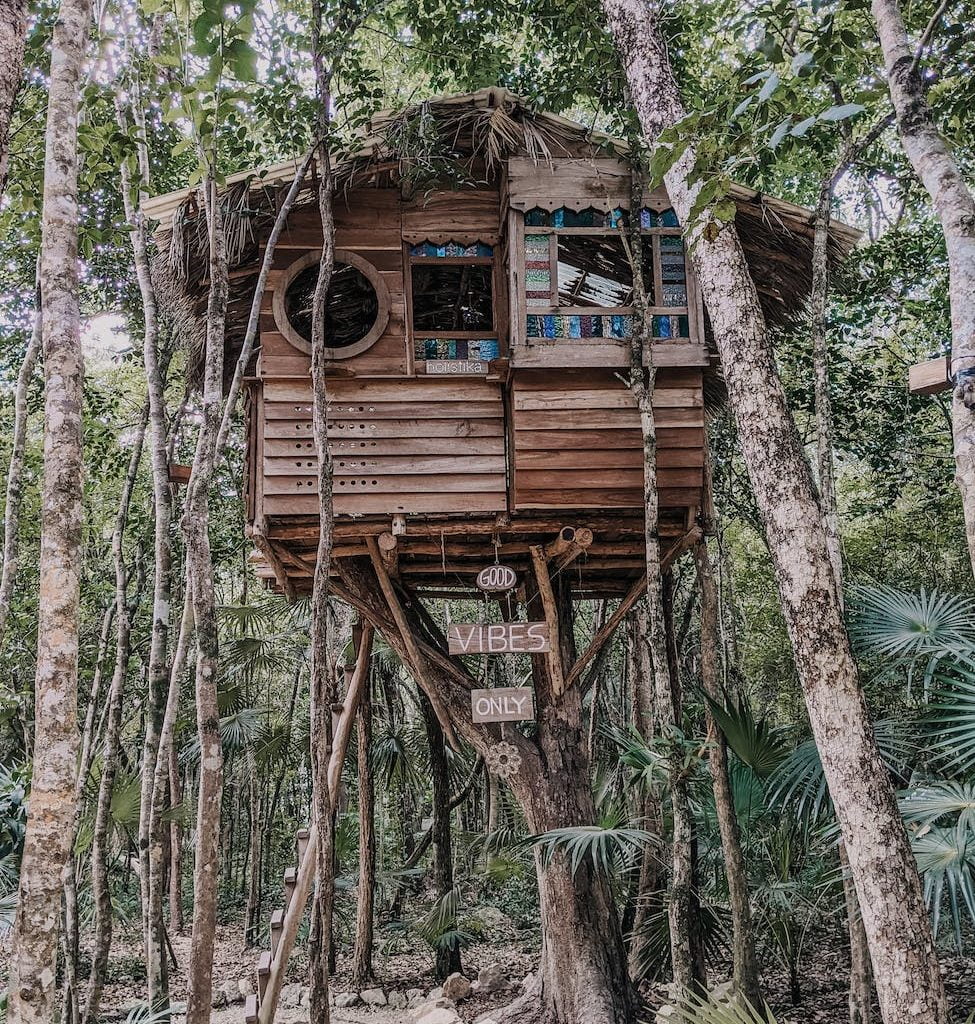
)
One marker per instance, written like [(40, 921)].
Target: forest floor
[(823, 978)]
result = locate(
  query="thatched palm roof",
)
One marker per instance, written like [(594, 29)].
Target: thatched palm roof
[(460, 140)]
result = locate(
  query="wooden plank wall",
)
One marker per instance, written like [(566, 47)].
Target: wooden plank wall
[(578, 443), (397, 446)]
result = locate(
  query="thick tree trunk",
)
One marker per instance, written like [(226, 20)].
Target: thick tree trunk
[(902, 949), (49, 832), (362, 970), (199, 567), (954, 204), (447, 960), (13, 36), (18, 444), (744, 960)]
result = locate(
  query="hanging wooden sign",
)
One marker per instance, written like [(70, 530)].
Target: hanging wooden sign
[(496, 579), (498, 638), (503, 704)]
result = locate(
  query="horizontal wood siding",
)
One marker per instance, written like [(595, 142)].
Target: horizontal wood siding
[(578, 444), (397, 446)]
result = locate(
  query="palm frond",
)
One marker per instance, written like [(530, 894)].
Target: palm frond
[(759, 743), (610, 847), (924, 805), (946, 861), (651, 941), (705, 1009), (951, 717), (896, 623)]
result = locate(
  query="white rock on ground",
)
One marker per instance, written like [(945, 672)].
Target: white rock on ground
[(397, 1000), (457, 988), (245, 986), (431, 1013), (667, 1014), (415, 997), (373, 997), (491, 979), (344, 999), (434, 994)]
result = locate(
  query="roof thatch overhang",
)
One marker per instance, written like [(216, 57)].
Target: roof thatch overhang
[(459, 141)]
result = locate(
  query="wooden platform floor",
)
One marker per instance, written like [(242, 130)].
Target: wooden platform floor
[(603, 553)]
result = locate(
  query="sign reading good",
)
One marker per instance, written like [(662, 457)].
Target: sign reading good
[(498, 638), (496, 578), (504, 704)]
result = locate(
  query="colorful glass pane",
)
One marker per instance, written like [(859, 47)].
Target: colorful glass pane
[(452, 250)]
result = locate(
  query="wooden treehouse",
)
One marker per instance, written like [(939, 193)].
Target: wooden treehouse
[(479, 334), (479, 327)]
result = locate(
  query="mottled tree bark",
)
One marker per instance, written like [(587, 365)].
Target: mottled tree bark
[(50, 818), (362, 970), (744, 960), (199, 568), (954, 204), (13, 36), (323, 691), (906, 968)]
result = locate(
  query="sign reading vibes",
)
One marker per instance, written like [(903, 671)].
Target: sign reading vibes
[(498, 638), (496, 579), (503, 704)]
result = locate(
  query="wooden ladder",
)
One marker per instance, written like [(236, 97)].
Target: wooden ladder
[(299, 881)]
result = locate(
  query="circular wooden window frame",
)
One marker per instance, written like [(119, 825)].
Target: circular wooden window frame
[(368, 271)]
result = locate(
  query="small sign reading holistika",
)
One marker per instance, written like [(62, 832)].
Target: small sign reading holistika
[(503, 704), (498, 638)]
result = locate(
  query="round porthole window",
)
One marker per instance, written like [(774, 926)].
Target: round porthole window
[(356, 308)]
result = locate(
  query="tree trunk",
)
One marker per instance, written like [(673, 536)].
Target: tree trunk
[(13, 36), (124, 612), (902, 949), (49, 832), (176, 923), (743, 937), (362, 970), (954, 204), (18, 443), (255, 832), (665, 688), (583, 971), (199, 568), (447, 959)]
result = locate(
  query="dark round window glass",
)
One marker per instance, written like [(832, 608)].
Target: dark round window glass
[(351, 307)]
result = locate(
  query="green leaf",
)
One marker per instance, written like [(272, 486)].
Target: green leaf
[(802, 62), (800, 129), (771, 84), (842, 112), (780, 132)]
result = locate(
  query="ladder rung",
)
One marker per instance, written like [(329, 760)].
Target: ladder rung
[(302, 843), (277, 924), (263, 972), (290, 883), (250, 1009)]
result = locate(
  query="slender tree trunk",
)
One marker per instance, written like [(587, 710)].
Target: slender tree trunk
[(15, 470), (954, 204), (362, 970), (744, 959), (898, 930), (447, 960), (49, 831), (176, 924), (13, 36), (101, 833), (255, 834), (665, 688), (199, 567)]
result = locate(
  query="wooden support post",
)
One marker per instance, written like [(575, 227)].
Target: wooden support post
[(412, 651), (250, 1009), (301, 842), (303, 879), (290, 881), (580, 544), (277, 923), (553, 657), (389, 549), (399, 525), (609, 627), (632, 596), (263, 973)]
